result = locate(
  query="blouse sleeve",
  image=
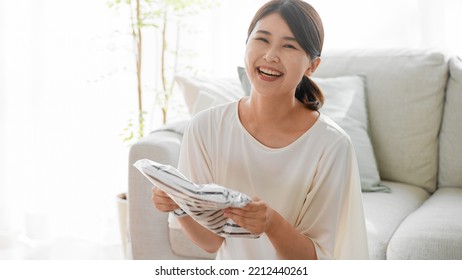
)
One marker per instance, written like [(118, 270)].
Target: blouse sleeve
[(194, 160), (332, 215)]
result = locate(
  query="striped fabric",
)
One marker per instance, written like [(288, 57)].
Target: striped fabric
[(203, 202)]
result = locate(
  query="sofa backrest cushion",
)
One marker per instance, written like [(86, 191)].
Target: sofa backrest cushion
[(201, 92), (405, 93), (450, 168)]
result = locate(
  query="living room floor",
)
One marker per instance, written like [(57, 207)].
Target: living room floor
[(58, 249)]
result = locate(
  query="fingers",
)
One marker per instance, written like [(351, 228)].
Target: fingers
[(158, 192), (162, 201), (255, 216)]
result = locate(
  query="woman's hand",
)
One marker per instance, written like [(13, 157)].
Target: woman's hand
[(201, 236), (255, 217), (162, 201)]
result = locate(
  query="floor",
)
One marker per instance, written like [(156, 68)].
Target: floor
[(64, 248)]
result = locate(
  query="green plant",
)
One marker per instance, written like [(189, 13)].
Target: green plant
[(156, 15)]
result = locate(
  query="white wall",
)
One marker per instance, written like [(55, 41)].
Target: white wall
[(220, 42)]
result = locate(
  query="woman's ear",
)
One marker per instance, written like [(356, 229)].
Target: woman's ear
[(313, 66)]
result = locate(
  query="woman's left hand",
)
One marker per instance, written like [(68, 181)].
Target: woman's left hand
[(255, 217)]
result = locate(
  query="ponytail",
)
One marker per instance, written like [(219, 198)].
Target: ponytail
[(309, 94)]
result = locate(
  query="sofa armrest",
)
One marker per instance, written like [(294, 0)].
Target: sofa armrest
[(148, 228)]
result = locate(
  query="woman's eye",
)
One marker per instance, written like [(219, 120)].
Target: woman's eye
[(261, 39), (290, 47)]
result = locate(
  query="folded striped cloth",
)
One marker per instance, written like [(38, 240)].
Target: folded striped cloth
[(203, 202)]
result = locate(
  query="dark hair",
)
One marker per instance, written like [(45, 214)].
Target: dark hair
[(306, 25)]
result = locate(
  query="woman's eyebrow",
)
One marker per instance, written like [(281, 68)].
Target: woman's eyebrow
[(289, 38), (264, 32)]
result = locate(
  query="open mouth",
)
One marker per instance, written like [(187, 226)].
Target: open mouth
[(269, 72)]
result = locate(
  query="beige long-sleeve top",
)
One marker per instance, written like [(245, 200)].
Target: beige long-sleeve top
[(313, 182)]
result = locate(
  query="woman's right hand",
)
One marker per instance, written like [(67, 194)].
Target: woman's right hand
[(203, 237), (162, 201)]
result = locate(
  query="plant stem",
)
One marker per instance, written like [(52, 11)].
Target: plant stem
[(139, 41), (164, 80)]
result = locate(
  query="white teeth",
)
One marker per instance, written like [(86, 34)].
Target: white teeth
[(270, 72)]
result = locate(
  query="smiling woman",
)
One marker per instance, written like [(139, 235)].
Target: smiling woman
[(277, 130), (66, 84)]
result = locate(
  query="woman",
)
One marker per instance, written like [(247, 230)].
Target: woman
[(297, 164)]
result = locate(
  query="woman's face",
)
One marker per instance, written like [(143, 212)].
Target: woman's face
[(274, 60)]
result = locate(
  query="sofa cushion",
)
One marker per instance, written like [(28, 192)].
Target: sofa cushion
[(384, 212), (345, 103), (201, 93), (242, 73), (405, 93), (433, 231), (450, 167)]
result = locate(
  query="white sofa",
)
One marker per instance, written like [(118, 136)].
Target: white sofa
[(413, 100)]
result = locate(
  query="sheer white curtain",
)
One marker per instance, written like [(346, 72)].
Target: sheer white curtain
[(3, 194), (65, 97), (67, 89)]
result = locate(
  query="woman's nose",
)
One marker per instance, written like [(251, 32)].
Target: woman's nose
[(271, 55)]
